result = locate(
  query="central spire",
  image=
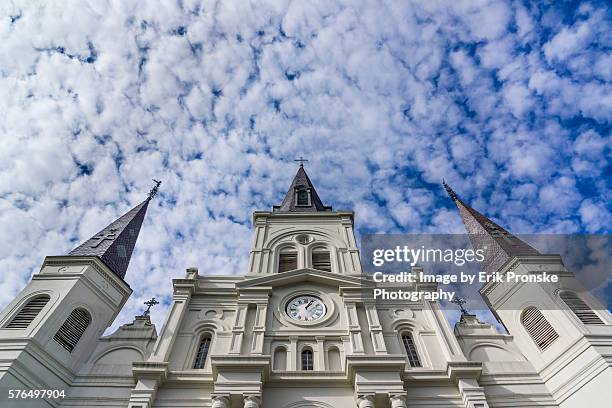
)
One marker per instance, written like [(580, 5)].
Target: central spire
[(302, 196)]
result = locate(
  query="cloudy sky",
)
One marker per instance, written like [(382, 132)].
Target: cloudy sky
[(511, 102)]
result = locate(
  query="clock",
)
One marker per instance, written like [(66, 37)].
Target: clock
[(306, 308)]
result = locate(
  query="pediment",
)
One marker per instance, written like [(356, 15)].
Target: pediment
[(304, 275)]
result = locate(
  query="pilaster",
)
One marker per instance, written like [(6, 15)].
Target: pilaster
[(376, 332), (151, 373), (320, 366), (238, 328), (259, 329), (353, 327)]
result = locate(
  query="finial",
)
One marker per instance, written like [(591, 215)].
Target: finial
[(301, 160), (450, 191), (155, 189), (460, 302), (150, 303)]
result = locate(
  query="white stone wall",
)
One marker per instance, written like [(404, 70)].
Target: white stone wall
[(254, 357)]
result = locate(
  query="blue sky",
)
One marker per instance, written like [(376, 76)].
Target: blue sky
[(510, 102)]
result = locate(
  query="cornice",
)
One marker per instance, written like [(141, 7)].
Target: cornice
[(92, 261)]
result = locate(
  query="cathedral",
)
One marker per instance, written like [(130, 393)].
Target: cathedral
[(296, 330)]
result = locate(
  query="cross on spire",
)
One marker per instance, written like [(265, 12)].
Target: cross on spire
[(460, 302), (301, 160), (109, 235), (149, 303)]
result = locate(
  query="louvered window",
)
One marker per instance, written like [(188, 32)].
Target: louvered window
[(321, 260), (303, 198), (580, 309), (307, 360), (539, 328), (73, 328), (411, 351), (200, 360), (29, 312), (287, 261)]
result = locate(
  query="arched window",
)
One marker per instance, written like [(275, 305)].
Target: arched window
[(29, 312), (202, 353), (538, 328), (73, 328), (333, 359), (411, 351), (287, 259), (321, 259), (580, 309), (280, 359), (307, 360)]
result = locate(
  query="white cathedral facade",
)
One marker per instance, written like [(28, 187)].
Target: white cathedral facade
[(296, 331)]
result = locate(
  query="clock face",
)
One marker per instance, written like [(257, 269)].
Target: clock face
[(306, 308)]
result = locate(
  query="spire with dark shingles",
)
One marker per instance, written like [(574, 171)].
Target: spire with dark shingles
[(309, 201), (115, 243), (499, 244)]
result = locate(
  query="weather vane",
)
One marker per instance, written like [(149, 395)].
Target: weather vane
[(150, 303), (460, 302), (155, 189), (301, 160), (449, 190)]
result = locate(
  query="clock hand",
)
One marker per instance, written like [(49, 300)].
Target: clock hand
[(309, 303)]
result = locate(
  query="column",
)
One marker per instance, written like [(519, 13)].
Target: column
[(220, 401), (365, 401), (252, 401), (397, 401)]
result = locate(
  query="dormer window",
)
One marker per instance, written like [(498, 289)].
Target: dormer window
[(302, 198)]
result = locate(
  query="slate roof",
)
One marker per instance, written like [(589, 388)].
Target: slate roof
[(499, 244), (301, 181), (115, 243)]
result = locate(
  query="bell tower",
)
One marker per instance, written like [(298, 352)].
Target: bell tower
[(560, 327), (303, 233), (52, 326)]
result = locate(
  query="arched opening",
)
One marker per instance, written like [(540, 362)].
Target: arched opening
[(73, 328), (280, 359), (540, 330), (580, 308), (202, 353), (333, 359), (287, 259), (29, 312), (411, 351), (307, 360), (321, 259)]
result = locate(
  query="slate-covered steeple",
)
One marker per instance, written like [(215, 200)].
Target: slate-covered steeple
[(115, 243), (302, 196), (499, 244)]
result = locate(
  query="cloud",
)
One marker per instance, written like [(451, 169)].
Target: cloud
[(509, 102)]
